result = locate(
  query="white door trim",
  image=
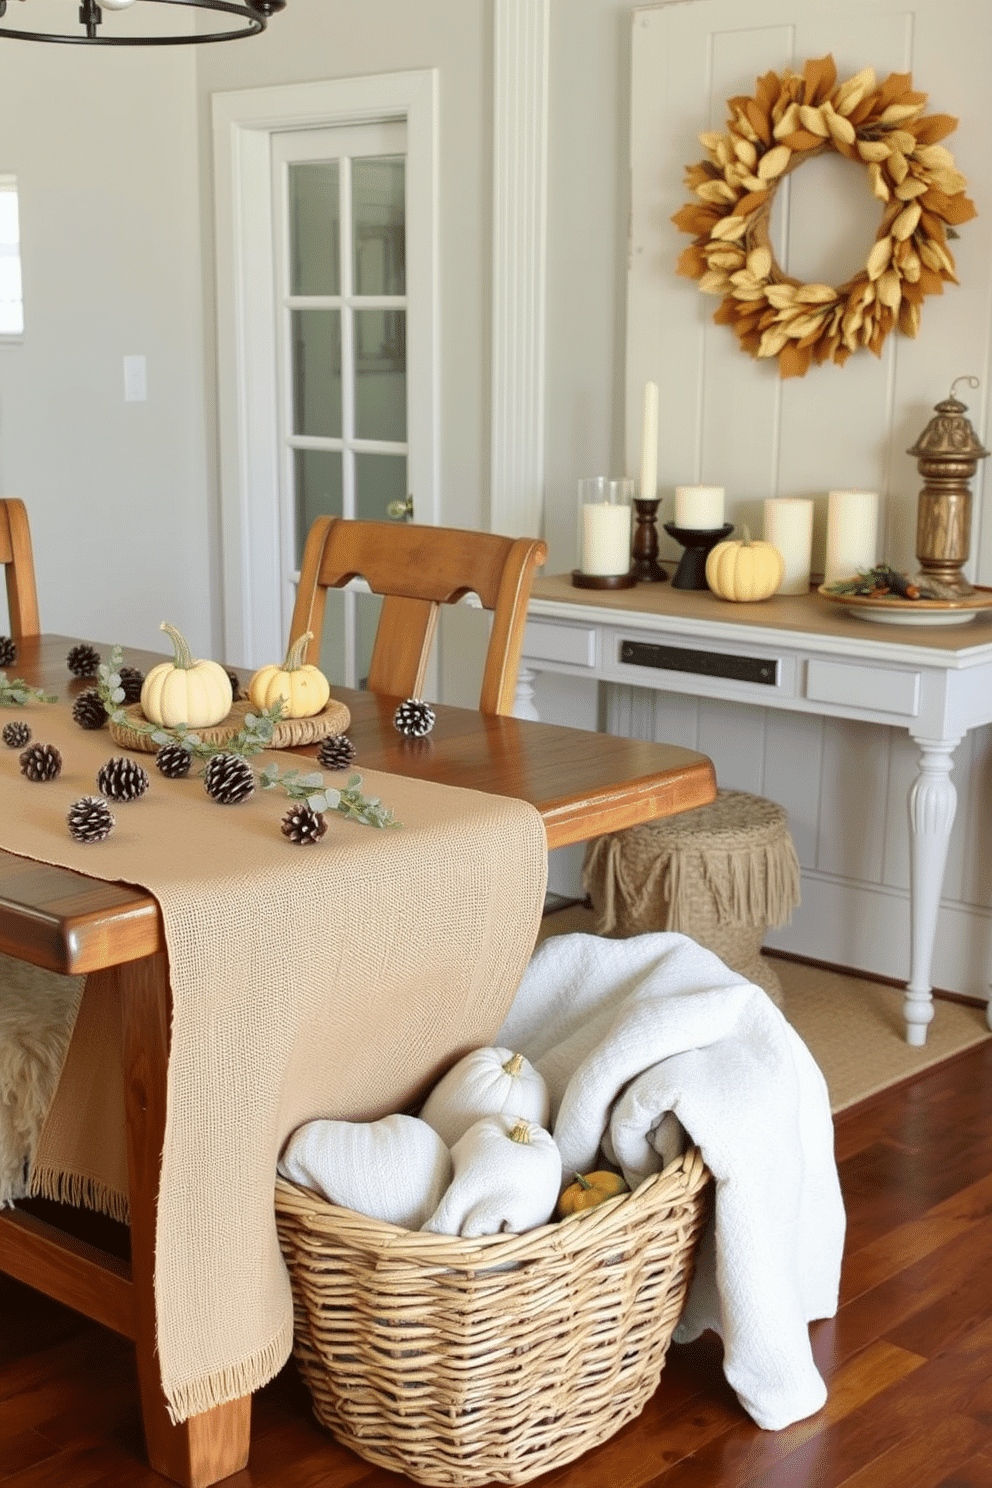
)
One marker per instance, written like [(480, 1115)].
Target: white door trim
[(243, 122), (519, 265)]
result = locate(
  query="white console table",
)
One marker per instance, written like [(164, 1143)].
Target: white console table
[(804, 653)]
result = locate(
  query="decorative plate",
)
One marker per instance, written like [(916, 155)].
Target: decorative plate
[(289, 733), (897, 611)]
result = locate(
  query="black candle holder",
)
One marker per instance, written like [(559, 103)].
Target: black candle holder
[(698, 543)]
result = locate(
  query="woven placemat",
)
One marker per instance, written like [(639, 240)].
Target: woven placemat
[(287, 734)]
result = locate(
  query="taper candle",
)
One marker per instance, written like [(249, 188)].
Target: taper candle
[(789, 527), (698, 507), (649, 444), (852, 534)]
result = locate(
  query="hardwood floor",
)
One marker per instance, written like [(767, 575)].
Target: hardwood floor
[(907, 1358)]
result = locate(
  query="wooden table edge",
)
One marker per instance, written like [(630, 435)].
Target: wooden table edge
[(573, 819)]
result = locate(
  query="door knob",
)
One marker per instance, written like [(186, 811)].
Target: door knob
[(401, 511)]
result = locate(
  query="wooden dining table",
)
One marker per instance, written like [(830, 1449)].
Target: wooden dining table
[(582, 783)]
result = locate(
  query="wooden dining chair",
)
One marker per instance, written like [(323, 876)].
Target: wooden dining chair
[(18, 561), (416, 569)]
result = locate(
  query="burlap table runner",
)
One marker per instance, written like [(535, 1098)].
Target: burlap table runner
[(331, 980)]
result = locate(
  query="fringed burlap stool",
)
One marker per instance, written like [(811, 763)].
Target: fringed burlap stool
[(720, 873)]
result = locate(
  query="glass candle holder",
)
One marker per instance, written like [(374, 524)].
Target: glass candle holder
[(604, 533)]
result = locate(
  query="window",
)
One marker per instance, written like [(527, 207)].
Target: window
[(11, 306)]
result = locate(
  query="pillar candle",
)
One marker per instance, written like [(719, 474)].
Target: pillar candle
[(698, 507), (852, 533), (789, 527), (649, 444), (605, 537)]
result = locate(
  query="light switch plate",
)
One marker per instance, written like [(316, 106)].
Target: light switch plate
[(135, 379)]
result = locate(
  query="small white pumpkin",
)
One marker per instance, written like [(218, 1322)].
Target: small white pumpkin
[(507, 1176), (395, 1169), (302, 688), (197, 693), (486, 1082), (744, 570)]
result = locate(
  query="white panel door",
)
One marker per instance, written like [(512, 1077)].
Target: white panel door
[(725, 418)]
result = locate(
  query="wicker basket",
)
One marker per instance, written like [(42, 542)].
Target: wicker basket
[(462, 1362)]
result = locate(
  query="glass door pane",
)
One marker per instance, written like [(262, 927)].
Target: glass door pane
[(315, 227)]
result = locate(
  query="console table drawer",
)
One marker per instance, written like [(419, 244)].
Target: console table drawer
[(876, 689), (572, 644)]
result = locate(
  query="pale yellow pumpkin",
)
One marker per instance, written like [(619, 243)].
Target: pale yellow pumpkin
[(303, 688), (196, 693), (744, 570)]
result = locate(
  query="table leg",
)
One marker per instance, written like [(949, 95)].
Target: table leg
[(932, 804), (213, 1445)]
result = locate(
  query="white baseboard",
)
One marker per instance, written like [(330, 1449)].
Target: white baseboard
[(866, 927)]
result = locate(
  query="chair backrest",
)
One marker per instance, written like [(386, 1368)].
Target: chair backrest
[(415, 569), (18, 561)]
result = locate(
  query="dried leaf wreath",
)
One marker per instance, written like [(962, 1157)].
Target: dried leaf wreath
[(790, 119)]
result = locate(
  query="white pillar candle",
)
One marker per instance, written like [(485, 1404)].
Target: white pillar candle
[(649, 444), (605, 537), (789, 527), (698, 508), (852, 534)]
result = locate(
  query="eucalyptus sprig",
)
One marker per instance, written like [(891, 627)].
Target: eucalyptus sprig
[(254, 735), (349, 801), (14, 692), (252, 738)]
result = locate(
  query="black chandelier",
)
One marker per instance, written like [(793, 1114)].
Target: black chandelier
[(252, 18)]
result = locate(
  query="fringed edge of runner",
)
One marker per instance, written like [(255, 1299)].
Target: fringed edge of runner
[(231, 1383), (80, 1191)]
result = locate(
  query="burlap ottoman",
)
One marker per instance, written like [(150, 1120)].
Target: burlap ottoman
[(721, 873)]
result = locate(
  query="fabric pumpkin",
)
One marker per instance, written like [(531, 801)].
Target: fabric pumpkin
[(744, 570), (196, 693), (395, 1169), (590, 1190), (486, 1082), (507, 1174), (303, 688)]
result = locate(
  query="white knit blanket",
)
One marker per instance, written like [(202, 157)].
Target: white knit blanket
[(631, 1034)]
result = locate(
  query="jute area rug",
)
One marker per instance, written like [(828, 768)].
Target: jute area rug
[(851, 1026)]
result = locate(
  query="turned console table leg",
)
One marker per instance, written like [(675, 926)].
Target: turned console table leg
[(523, 702), (932, 803)]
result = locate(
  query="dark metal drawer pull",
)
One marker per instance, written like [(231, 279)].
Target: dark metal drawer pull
[(703, 663)]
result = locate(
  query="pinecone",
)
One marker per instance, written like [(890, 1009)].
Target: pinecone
[(302, 824), (8, 651), (337, 752), (122, 779), (90, 819), (132, 682), (173, 761), (235, 682), (414, 718), (88, 710), (16, 734), (83, 660), (41, 762), (229, 779)]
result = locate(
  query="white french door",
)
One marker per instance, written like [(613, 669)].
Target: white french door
[(326, 204), (339, 220)]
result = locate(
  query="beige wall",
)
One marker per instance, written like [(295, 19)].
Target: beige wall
[(104, 149), (114, 157)]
